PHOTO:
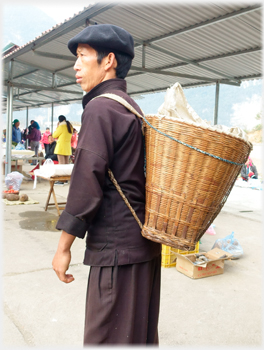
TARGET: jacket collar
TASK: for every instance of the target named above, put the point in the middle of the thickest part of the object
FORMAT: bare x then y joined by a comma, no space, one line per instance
104,87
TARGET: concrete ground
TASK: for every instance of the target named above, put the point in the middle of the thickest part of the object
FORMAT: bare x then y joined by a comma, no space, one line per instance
41,311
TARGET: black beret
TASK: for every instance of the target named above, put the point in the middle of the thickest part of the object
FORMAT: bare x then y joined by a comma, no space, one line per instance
107,36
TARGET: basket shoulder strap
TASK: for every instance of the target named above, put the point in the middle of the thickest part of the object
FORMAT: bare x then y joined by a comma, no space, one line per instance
119,190
123,102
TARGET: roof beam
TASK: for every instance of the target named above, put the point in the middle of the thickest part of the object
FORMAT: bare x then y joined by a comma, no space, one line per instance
204,23
73,81
169,53
41,104
37,91
209,58
158,71
202,83
41,88
55,56
24,74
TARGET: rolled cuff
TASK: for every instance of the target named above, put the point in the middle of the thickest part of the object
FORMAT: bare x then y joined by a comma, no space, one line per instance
72,225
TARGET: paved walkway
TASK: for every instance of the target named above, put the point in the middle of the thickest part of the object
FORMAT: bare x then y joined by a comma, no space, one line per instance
41,311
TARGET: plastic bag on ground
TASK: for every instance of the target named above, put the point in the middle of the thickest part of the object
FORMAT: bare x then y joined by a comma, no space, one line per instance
211,230
14,180
229,244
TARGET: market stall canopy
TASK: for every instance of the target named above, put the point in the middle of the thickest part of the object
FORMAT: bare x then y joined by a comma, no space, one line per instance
194,44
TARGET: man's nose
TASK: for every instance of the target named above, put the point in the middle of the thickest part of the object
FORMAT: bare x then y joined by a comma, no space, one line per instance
77,64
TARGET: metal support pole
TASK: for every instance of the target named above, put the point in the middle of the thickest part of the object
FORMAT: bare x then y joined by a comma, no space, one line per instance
144,56
9,120
217,87
26,127
52,111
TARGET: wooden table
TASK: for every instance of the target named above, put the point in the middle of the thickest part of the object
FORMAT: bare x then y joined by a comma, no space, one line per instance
52,180
38,159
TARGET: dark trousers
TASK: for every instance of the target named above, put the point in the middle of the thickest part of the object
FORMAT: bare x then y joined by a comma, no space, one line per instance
122,304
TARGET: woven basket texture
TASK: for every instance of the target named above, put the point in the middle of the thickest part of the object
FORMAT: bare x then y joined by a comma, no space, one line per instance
185,189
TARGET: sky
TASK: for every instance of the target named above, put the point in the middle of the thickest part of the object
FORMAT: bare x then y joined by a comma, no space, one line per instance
60,13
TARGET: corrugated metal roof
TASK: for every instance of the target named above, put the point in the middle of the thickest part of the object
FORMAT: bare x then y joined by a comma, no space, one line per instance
203,43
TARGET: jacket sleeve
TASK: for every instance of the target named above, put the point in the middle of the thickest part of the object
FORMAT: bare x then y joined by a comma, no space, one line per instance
93,156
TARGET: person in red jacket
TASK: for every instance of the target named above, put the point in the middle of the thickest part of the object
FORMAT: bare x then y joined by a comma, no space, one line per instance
45,139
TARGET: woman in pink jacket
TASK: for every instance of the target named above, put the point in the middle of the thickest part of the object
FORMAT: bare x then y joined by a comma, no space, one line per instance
45,139
74,140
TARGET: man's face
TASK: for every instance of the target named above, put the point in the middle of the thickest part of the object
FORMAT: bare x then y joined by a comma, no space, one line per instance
50,139
88,72
17,124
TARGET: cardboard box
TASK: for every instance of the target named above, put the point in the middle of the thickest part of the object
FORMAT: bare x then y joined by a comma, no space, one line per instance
185,263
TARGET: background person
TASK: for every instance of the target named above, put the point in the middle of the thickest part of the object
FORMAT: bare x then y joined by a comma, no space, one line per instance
16,132
122,302
50,149
44,139
74,140
63,134
4,136
28,130
34,137
249,170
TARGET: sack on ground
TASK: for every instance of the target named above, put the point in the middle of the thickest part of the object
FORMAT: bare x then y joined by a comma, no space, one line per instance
14,180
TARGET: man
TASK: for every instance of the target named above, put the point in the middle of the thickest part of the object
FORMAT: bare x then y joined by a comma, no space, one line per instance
28,131
50,149
122,303
30,127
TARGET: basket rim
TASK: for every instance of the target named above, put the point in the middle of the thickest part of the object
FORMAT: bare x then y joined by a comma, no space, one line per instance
193,124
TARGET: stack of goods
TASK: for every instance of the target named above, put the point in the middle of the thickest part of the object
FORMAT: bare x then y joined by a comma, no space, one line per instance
13,195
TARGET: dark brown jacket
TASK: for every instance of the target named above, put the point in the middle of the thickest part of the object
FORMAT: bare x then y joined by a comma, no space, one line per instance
110,137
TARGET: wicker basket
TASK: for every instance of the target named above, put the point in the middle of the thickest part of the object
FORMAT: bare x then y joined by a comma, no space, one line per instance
186,189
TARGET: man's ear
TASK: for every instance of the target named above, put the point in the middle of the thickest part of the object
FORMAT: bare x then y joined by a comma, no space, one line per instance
110,61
